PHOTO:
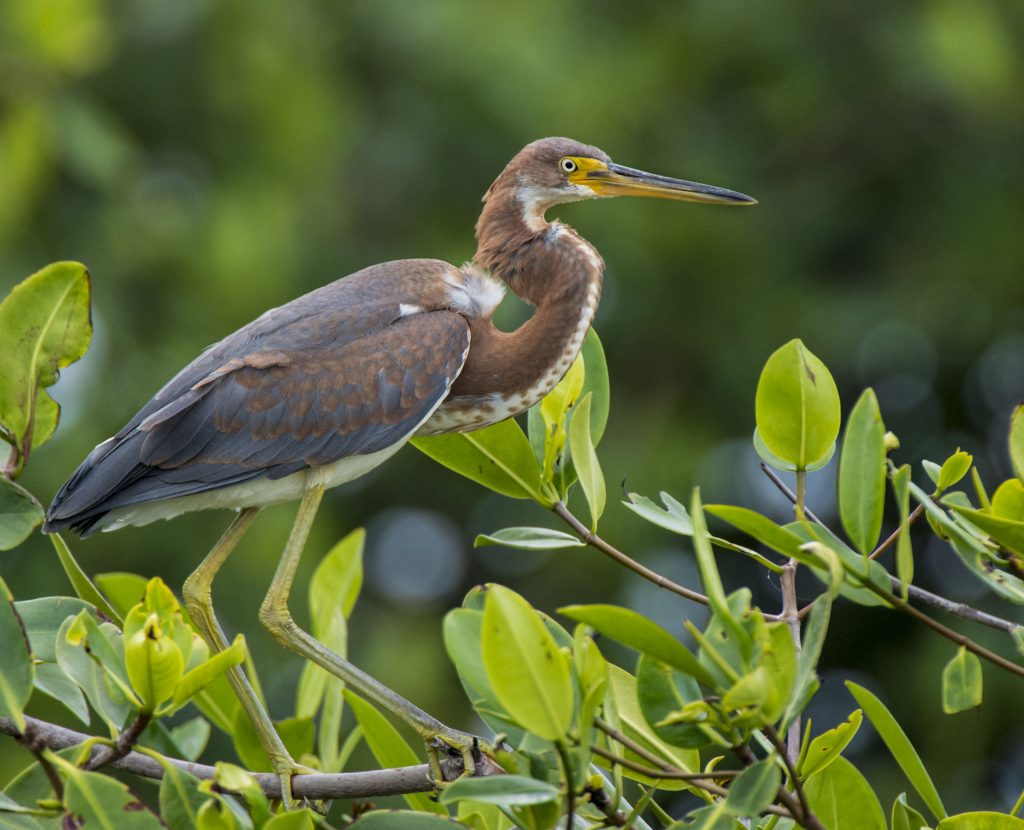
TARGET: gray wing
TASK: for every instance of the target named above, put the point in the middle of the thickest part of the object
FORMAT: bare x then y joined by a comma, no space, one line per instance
336,373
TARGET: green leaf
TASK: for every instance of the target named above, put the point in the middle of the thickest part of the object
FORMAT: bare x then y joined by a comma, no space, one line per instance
303,819
122,589
42,619
16,676
529,538
20,514
981,821
45,326
79,581
905,817
554,410
953,469
672,517
506,790
155,663
99,671
333,591
526,668
1007,532
1017,441
389,747
595,383
904,551
97,800
197,679
852,563
180,798
191,737
622,710
754,789
825,748
843,800
806,682
961,682
797,406
51,680
664,694
499,457
403,820
764,530
232,778
638,632
588,468
900,747
862,474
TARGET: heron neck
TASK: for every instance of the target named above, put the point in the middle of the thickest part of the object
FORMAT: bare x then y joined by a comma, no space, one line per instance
552,267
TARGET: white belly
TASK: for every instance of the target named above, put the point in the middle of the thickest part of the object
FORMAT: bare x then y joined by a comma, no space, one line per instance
259,492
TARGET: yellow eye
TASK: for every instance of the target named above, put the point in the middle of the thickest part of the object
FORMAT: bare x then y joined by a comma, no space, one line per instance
568,165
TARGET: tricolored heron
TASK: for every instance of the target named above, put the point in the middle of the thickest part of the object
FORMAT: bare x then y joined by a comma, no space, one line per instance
321,390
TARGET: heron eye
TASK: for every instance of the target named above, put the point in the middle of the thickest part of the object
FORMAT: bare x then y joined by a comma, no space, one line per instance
568,165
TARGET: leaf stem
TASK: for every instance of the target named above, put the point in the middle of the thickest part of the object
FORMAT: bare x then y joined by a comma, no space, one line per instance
600,544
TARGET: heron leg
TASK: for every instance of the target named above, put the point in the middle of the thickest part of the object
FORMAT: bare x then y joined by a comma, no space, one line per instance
197,593
274,614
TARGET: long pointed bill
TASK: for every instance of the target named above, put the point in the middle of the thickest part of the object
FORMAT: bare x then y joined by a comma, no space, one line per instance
616,180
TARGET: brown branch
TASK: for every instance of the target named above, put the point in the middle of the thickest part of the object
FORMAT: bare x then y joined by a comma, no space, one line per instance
798,786
313,786
602,801
892,537
34,743
600,544
956,609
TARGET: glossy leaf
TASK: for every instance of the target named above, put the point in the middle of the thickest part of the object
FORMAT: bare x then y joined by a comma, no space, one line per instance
961,682
506,790
197,679
1017,441
663,694
754,789
862,474
97,800
904,551
45,326
797,406
388,747
588,468
899,745
905,817
555,411
20,514
709,576
499,457
825,748
16,675
154,662
526,668
852,563
1006,531
953,469
638,632
529,538
843,800
81,583
123,590
595,384
764,530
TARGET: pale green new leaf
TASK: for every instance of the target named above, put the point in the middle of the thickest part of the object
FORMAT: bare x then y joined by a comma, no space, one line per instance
197,679
899,745
905,817
797,406
825,748
981,820
953,469
527,670
961,682
639,632
904,551
862,474
1017,441
44,326
584,456
843,799
499,457
806,682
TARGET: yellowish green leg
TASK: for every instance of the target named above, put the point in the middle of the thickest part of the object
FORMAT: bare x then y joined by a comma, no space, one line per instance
199,602
274,614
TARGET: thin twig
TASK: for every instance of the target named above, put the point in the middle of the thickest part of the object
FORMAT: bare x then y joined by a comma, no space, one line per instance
791,615
600,544
122,744
892,537
957,609
34,743
798,786
313,786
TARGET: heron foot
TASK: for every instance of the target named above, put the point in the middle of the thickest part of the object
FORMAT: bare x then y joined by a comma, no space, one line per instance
453,755
285,768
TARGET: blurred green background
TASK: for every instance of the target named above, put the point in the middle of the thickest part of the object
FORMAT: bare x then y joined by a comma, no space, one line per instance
208,160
